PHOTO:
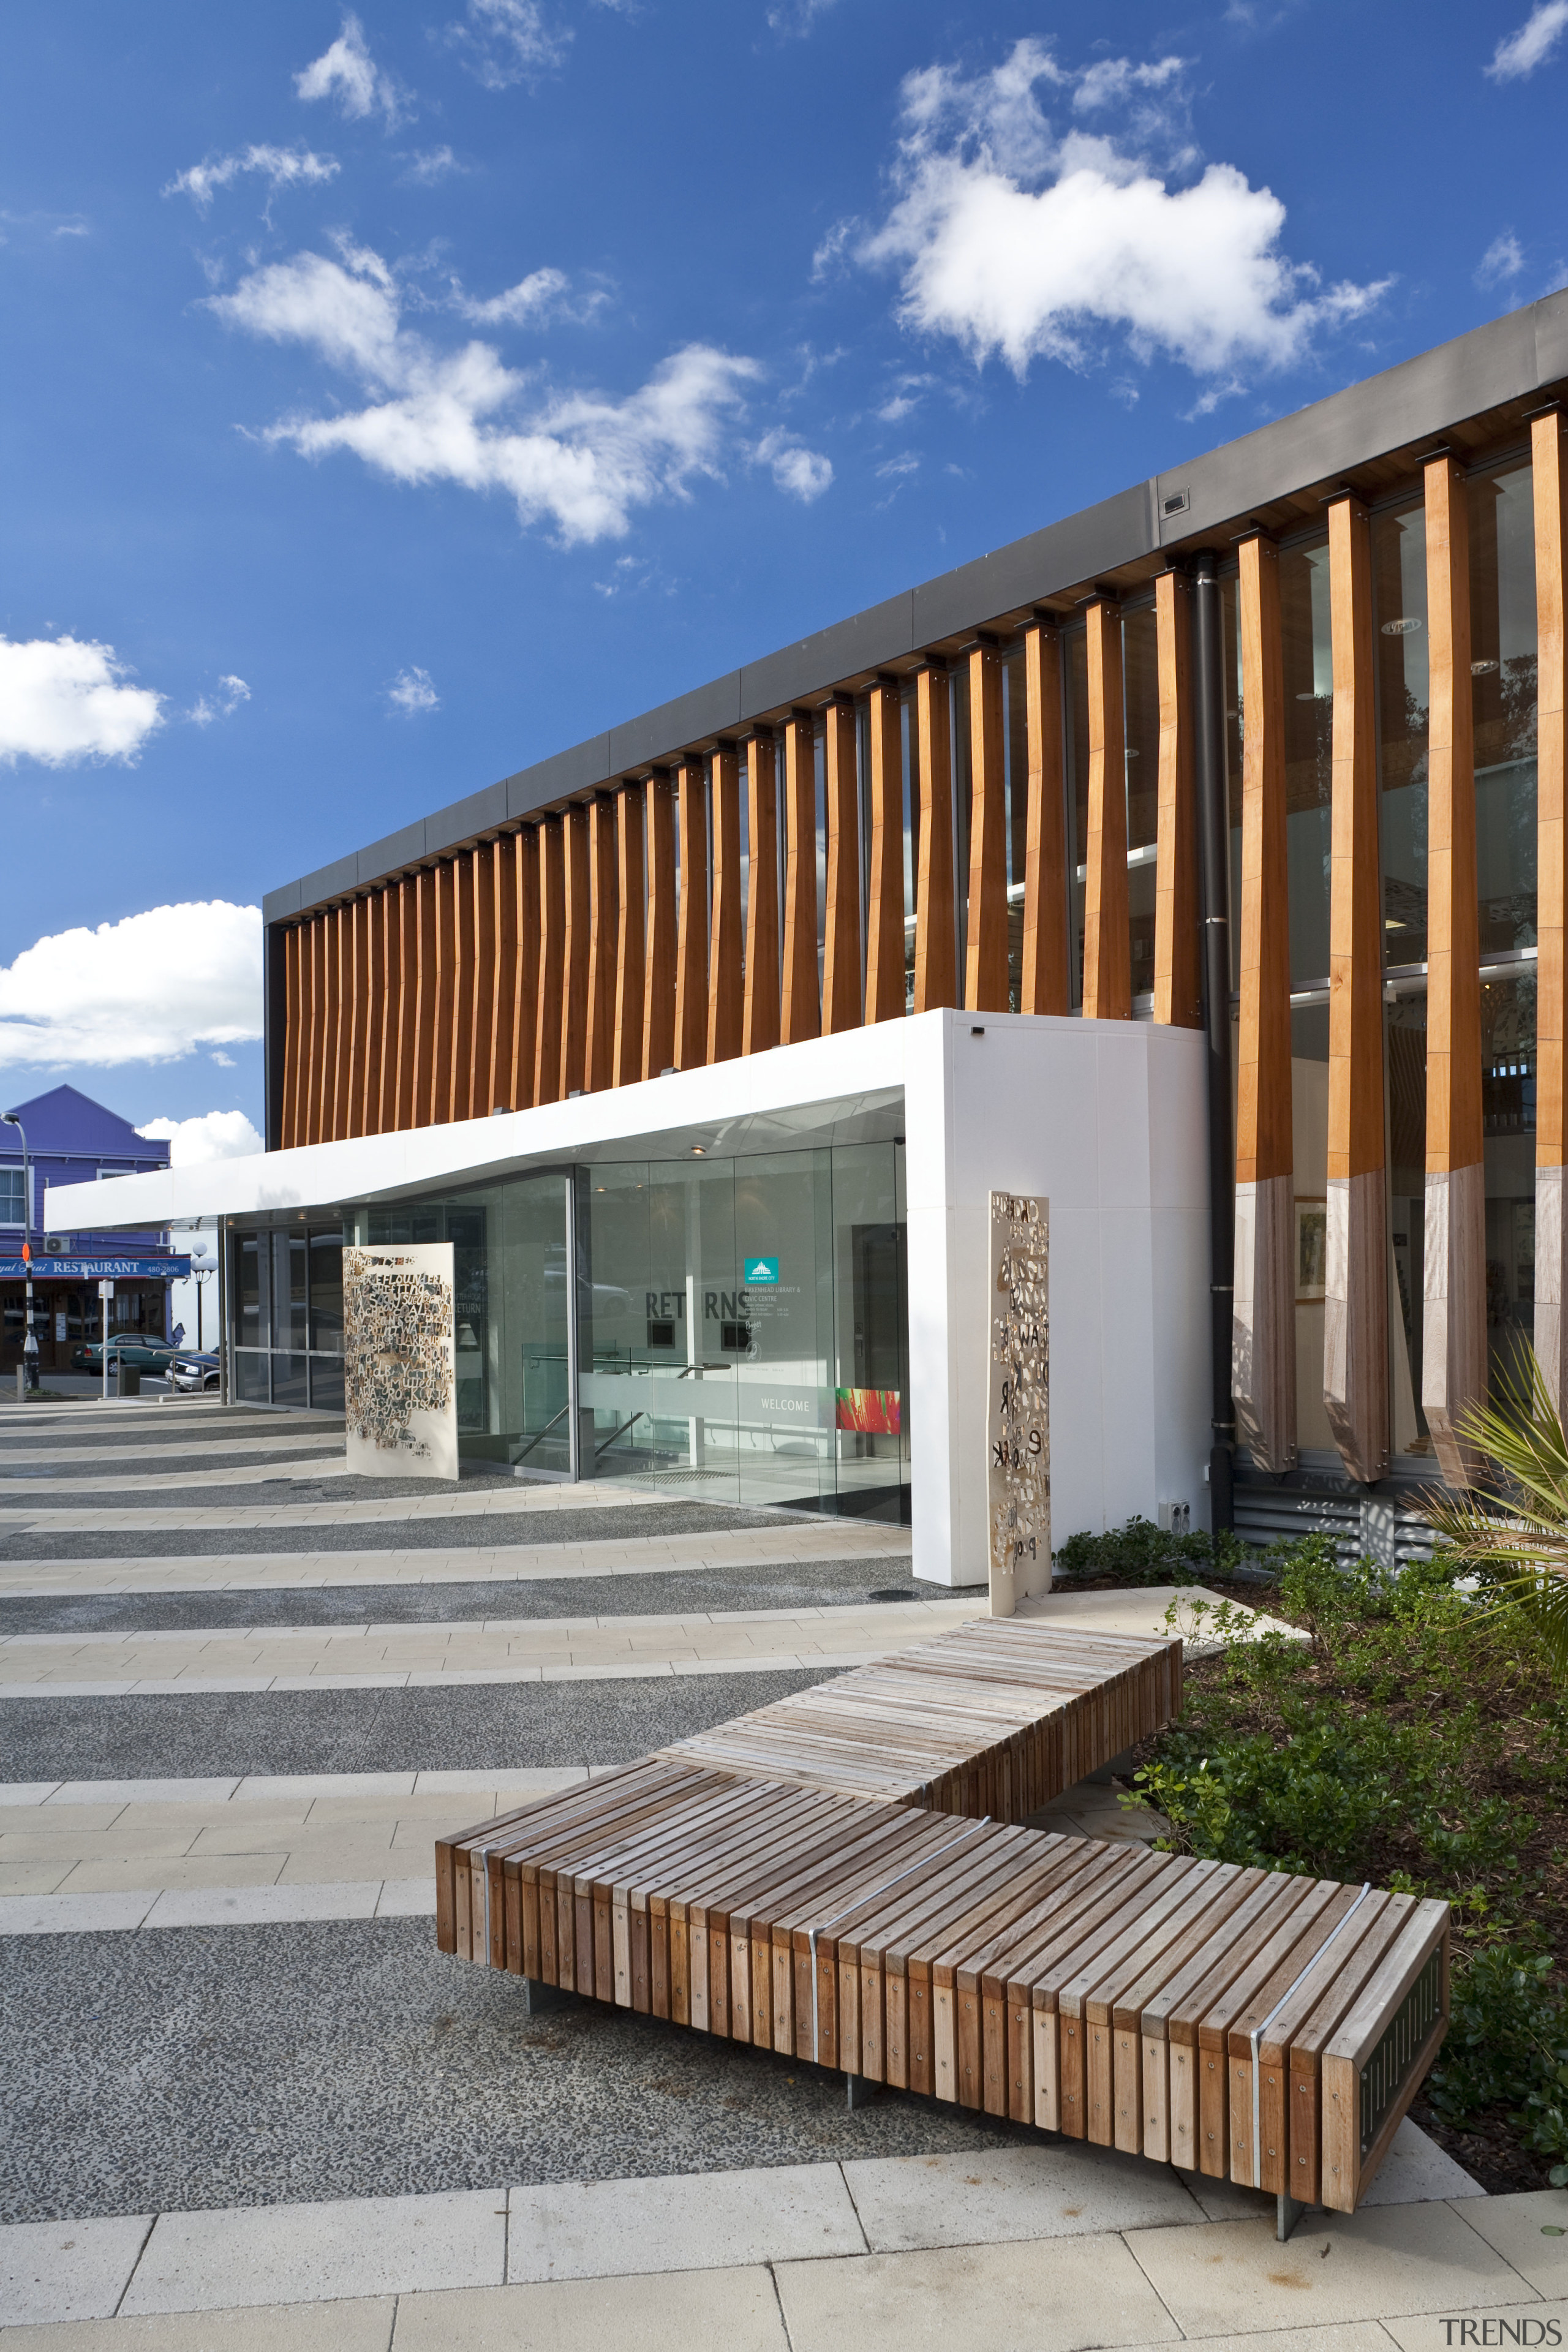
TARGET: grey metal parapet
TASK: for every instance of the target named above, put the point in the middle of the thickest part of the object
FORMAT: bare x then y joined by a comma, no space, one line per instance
1505,361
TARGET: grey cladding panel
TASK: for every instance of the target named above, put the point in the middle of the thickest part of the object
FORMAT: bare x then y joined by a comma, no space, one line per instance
1551,338
710,710
1411,402
1063,555
392,853
450,827
278,905
576,771
331,881
882,634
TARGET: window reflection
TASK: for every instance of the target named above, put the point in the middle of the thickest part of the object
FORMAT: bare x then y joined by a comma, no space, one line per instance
1399,614
1502,672
1309,691
1141,703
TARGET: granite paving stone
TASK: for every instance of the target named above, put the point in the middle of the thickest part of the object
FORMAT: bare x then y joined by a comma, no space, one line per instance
361,2325
463,1727
249,2065
735,2309
1061,2296
72,2270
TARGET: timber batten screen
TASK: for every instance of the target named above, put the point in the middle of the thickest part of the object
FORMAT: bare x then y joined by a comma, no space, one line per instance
973,819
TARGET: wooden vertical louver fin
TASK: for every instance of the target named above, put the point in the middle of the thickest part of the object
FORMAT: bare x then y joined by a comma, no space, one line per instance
1107,940
503,998
321,1033
986,986
936,954
760,1023
1356,1321
801,1009
631,884
407,1055
885,984
1454,1270
293,1038
574,974
420,1079
725,962
391,1006
464,956
603,945
1047,986
547,1024
1178,963
841,944
1550,480
691,931
340,1035
375,1010
445,879
482,984
659,1010
359,915
525,1025
1263,1358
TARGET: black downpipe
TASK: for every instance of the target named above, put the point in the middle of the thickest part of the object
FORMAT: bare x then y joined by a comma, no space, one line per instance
1208,743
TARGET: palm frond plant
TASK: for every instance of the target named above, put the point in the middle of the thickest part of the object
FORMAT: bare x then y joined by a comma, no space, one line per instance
1514,1533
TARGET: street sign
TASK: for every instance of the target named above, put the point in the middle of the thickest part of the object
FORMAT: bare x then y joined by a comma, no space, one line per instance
97,1269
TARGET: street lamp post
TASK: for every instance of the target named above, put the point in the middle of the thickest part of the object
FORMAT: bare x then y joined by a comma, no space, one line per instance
30,1344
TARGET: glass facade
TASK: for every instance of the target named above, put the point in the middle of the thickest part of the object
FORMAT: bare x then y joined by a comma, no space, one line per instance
510,1269
743,1326
286,1317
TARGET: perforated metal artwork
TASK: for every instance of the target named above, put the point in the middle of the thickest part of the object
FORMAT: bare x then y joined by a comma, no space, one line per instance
399,1389
1019,1428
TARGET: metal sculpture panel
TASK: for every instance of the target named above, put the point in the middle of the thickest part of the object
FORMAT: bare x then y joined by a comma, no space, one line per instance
1019,1430
400,1389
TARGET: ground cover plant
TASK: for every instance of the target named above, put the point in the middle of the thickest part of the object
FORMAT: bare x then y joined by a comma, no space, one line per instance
1414,1739
1140,1553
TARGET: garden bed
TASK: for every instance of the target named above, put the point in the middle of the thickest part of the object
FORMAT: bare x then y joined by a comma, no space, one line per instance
1415,1740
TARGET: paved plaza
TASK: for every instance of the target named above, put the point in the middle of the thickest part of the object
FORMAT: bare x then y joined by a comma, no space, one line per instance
247,2103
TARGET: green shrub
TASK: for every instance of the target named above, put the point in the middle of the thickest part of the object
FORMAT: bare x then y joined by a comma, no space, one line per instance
1414,1738
1142,1553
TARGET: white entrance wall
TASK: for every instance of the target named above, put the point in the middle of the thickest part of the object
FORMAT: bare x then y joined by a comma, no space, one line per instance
1105,1118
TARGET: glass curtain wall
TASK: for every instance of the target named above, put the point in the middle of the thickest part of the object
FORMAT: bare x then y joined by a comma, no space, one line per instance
288,1317
1503,686
1140,705
510,1289
744,1327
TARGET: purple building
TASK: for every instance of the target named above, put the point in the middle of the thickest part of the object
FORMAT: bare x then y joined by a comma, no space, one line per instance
73,1141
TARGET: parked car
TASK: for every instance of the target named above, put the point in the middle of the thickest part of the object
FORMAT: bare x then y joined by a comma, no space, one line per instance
193,1372
128,1348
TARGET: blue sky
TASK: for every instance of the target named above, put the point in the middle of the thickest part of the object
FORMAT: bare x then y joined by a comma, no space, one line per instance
394,398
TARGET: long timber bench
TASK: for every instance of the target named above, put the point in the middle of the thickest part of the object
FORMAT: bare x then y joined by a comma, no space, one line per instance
1236,2022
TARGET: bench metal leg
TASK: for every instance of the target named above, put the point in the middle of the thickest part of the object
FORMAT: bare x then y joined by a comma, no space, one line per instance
861,2090
1288,2213
537,1997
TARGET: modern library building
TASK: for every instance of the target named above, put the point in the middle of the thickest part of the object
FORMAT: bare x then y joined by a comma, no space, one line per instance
1196,862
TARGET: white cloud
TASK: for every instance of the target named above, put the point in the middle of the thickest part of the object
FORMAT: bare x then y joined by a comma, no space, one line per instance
830,253
1518,57
281,167
216,1135
907,462
795,18
411,690
582,461
1020,244
224,1061
149,989
1503,259
428,164
800,473
508,41
349,73
63,699
231,693
530,299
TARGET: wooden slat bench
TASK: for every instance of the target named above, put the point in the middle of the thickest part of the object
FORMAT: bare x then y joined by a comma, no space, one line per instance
1240,2023
994,1718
